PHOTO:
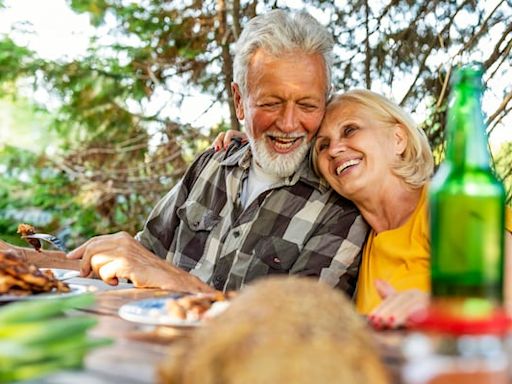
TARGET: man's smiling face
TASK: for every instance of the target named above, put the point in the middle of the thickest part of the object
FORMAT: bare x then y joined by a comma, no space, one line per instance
283,107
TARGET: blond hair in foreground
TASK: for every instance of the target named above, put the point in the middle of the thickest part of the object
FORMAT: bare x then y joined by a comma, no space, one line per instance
279,330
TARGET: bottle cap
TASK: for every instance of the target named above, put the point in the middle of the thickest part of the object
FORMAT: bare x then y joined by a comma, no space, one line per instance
451,321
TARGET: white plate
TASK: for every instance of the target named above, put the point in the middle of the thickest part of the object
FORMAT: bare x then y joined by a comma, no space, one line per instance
75,290
63,274
154,312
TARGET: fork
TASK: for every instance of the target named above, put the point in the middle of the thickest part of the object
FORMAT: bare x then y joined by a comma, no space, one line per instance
55,241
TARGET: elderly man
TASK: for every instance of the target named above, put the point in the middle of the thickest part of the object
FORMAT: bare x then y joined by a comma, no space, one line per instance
255,209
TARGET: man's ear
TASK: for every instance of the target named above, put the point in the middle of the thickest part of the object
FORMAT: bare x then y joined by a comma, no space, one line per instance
401,139
237,100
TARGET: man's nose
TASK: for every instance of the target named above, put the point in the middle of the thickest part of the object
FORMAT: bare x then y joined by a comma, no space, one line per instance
288,118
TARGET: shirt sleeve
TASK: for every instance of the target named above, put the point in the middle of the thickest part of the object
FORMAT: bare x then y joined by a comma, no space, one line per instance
333,253
159,229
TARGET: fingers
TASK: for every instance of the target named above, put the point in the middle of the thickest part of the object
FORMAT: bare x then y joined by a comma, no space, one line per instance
92,248
107,269
384,288
228,137
95,245
218,143
395,310
78,253
224,139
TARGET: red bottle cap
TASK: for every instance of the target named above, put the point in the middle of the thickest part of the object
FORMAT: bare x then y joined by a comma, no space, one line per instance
449,319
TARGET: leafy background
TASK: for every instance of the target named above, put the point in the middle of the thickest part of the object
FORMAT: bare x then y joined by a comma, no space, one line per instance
110,141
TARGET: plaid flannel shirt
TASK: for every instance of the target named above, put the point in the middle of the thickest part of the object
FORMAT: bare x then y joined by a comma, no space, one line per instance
300,226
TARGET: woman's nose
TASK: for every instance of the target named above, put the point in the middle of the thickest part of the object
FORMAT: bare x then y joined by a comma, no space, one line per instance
336,147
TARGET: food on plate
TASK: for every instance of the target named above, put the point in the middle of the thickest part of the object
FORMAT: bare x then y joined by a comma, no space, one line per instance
197,307
26,230
279,330
19,277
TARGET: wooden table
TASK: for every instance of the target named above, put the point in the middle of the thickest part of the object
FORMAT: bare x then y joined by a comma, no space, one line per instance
136,351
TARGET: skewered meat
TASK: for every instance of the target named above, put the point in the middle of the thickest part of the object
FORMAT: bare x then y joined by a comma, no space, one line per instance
27,229
18,277
279,330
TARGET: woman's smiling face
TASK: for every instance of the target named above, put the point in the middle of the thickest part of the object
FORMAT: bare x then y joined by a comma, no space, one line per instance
356,148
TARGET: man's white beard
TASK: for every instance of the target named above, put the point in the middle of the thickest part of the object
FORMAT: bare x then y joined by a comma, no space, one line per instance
281,165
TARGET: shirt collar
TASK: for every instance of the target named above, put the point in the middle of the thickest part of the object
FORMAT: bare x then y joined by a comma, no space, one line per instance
305,173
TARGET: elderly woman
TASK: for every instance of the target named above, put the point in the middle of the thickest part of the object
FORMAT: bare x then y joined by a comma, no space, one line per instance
370,151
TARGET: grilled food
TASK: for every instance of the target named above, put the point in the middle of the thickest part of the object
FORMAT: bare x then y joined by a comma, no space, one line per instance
279,330
26,230
196,307
18,277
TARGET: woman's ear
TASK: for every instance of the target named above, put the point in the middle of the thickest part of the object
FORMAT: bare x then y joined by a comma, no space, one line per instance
401,139
237,100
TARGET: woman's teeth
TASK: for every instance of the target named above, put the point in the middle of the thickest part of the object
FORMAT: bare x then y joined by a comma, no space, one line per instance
347,164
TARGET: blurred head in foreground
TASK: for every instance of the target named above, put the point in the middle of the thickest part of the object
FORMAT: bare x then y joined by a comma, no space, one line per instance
279,330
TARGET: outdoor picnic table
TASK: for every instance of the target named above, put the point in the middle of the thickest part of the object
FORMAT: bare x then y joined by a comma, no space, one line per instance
138,349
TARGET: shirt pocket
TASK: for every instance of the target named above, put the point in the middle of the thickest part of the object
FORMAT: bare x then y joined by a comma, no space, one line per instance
191,238
197,217
278,254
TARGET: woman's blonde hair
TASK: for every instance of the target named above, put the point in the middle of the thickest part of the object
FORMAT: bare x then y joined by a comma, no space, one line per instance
416,163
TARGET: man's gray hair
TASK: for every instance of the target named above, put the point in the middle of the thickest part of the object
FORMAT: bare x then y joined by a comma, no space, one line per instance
279,32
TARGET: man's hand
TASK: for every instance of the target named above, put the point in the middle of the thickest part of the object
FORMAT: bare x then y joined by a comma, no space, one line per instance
396,307
116,256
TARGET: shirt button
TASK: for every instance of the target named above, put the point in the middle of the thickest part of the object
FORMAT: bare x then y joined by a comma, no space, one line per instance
236,234
277,260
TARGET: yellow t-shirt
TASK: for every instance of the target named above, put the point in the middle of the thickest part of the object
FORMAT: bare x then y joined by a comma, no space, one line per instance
400,256
508,218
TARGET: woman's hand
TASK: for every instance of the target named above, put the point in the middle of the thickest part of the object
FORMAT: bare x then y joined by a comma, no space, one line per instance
396,307
112,257
223,139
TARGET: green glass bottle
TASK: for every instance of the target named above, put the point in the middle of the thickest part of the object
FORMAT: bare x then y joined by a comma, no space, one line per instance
467,203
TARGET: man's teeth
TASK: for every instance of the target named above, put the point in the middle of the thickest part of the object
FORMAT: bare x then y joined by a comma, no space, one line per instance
345,165
284,142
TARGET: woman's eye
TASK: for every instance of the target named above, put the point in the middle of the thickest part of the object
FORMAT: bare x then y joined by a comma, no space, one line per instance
322,147
349,130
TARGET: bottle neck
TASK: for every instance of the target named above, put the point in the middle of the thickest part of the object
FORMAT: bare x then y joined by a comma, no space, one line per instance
467,140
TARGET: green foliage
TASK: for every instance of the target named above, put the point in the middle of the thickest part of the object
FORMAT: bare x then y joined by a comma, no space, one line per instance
117,125
13,62
33,190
